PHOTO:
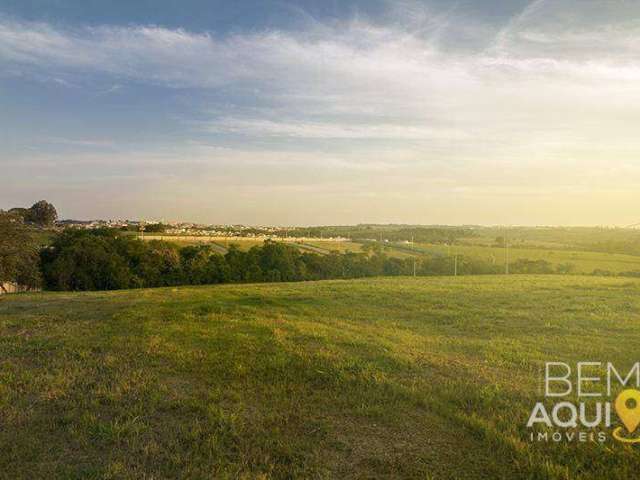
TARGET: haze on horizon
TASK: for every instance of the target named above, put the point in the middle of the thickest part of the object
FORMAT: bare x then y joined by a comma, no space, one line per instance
320,112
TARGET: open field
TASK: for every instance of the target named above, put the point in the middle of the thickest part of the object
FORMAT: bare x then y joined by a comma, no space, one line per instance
341,247
522,243
245,243
222,242
573,238
355,247
378,378
584,262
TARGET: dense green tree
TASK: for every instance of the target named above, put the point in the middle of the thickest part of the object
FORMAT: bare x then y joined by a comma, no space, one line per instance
80,261
19,261
42,213
278,257
194,261
18,213
100,259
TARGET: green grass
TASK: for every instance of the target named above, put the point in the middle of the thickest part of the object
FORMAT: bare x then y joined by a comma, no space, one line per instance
378,378
341,247
584,262
245,244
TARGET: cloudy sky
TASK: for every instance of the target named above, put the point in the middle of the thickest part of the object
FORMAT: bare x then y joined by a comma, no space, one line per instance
323,112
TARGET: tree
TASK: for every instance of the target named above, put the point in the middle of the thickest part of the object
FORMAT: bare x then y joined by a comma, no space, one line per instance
80,260
42,213
19,213
195,265
161,264
278,257
18,253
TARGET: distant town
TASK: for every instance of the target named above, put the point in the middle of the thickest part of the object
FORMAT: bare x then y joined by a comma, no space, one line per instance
166,227
197,229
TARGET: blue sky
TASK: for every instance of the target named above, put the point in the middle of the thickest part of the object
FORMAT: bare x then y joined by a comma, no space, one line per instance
322,112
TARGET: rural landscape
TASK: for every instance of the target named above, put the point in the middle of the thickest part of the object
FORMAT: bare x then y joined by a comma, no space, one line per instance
395,352
319,240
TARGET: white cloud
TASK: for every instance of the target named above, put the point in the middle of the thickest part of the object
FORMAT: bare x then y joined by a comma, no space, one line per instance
550,100
355,80
331,130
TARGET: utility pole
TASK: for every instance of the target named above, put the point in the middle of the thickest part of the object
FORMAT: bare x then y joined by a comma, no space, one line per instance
506,251
455,266
414,256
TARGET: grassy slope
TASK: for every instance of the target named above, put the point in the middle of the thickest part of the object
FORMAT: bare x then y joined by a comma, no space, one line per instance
341,247
245,244
584,262
395,378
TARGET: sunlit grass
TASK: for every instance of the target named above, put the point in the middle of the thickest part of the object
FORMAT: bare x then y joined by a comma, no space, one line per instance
395,378
584,262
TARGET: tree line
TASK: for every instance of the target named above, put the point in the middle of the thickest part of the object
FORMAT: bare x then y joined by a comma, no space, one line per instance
104,260
34,256
20,242
19,254
40,214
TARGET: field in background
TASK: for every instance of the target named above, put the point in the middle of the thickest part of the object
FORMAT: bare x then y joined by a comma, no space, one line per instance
377,378
575,238
341,247
487,241
243,243
551,245
583,261
224,242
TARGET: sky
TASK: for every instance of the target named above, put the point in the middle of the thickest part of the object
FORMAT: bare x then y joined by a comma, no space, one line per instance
317,112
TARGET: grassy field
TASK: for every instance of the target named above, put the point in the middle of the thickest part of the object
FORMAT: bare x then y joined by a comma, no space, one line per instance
358,247
575,238
244,244
378,378
341,247
584,262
